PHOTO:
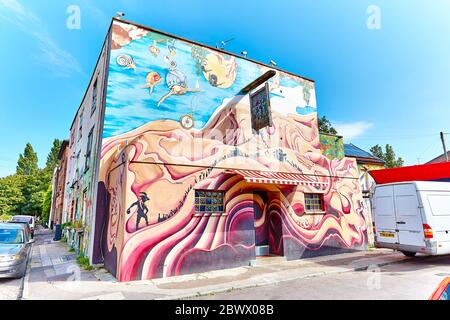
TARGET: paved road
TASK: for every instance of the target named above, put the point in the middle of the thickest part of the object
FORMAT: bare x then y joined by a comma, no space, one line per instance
10,289
414,279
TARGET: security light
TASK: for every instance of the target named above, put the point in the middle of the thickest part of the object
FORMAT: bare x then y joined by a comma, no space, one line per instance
120,14
244,53
273,63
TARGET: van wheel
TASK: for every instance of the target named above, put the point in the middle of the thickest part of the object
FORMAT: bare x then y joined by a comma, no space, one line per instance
409,254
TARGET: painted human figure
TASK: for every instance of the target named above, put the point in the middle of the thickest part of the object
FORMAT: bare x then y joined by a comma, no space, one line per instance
142,209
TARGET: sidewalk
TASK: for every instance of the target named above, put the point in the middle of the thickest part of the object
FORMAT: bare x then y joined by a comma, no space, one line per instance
54,274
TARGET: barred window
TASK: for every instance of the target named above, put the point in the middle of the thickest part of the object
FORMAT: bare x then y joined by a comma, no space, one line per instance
314,202
209,201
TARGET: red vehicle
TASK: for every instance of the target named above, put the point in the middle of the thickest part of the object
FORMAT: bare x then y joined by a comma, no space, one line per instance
442,292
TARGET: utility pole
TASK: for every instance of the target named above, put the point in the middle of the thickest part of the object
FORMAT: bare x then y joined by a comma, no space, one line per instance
443,145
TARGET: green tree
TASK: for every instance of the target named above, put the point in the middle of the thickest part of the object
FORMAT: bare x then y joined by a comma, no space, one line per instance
377,151
47,204
391,160
33,192
52,158
28,161
29,190
326,127
11,197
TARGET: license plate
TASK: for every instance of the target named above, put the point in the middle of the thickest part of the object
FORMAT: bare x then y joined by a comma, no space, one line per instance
387,234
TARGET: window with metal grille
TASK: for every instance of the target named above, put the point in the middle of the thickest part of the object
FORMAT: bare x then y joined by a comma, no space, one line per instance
314,202
209,201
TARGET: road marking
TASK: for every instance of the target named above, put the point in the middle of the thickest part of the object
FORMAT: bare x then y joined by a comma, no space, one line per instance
23,293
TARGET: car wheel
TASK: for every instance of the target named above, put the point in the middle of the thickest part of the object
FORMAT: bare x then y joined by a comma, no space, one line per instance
409,254
20,276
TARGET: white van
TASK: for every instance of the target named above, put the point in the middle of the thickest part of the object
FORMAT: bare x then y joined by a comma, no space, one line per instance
412,217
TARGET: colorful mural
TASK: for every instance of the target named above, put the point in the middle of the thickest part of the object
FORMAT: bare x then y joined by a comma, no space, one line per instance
332,146
151,164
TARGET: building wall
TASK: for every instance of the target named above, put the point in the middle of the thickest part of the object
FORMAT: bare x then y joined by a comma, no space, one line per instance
367,186
58,186
366,180
80,182
153,81
332,146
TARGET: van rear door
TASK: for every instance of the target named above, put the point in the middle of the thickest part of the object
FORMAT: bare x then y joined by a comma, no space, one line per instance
384,214
409,219
439,218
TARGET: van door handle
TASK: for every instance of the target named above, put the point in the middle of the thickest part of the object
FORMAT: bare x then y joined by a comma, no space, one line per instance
401,222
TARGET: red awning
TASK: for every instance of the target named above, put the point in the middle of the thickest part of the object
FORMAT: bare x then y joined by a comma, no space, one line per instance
255,176
424,172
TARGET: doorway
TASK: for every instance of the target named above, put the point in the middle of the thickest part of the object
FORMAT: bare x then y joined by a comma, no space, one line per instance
267,224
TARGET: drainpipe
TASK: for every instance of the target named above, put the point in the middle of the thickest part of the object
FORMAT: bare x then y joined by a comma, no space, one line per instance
443,145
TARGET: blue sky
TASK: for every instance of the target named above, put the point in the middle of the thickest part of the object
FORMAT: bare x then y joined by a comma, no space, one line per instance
376,86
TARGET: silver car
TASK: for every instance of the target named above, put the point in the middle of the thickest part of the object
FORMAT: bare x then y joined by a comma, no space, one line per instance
15,247
25,219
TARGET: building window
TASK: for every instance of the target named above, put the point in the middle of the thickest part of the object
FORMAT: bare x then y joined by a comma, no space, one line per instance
80,126
209,201
314,202
72,137
94,97
88,150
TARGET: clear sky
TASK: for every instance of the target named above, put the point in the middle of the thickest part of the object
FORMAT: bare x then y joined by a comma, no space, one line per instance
387,85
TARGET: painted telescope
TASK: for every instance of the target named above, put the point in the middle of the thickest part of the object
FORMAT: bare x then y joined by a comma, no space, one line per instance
190,176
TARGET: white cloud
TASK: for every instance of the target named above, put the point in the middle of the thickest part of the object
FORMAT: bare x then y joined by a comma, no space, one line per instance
60,62
352,130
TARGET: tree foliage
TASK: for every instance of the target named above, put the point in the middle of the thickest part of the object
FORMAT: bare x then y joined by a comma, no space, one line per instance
388,155
46,204
27,191
52,158
326,127
28,161
11,197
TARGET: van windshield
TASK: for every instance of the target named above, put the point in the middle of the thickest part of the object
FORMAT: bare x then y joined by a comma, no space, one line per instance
12,236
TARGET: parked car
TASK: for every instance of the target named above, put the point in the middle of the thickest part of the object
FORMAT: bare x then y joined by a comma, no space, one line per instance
442,292
25,219
26,227
15,245
413,217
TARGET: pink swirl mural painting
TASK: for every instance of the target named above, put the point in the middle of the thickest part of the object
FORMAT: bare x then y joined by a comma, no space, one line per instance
174,204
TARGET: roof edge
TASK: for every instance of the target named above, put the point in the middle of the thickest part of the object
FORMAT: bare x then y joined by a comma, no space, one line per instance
210,47
372,156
